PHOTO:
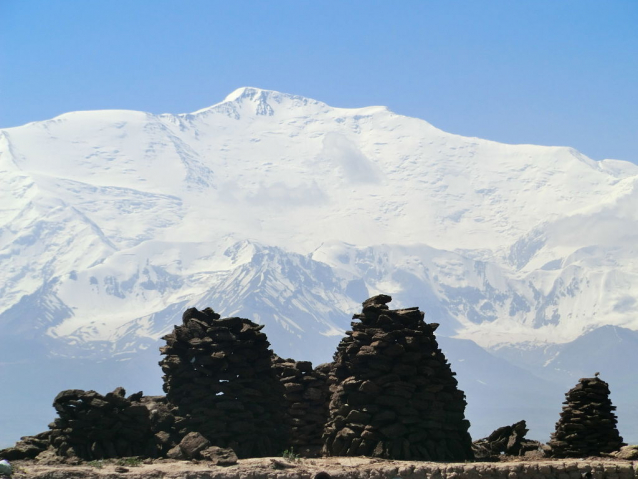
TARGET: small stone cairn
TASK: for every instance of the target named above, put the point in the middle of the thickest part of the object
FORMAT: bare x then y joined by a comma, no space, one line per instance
306,393
393,394
218,377
92,426
587,425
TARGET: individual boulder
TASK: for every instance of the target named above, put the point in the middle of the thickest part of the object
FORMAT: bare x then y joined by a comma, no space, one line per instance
192,444
219,456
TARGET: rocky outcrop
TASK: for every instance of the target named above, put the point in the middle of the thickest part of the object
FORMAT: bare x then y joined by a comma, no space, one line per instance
587,424
219,380
393,394
508,440
306,394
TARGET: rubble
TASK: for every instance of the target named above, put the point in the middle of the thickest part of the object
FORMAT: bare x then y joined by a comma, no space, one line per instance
506,440
27,447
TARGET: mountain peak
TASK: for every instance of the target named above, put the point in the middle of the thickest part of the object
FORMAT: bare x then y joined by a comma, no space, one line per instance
247,92
255,99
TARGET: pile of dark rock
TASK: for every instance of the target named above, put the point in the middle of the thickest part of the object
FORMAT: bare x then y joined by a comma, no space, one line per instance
28,447
506,440
219,381
587,424
393,394
92,426
389,393
306,393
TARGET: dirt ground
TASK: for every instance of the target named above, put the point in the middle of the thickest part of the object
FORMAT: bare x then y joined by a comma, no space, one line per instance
334,467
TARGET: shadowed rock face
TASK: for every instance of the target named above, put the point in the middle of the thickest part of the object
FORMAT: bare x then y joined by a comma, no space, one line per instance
218,377
393,393
587,425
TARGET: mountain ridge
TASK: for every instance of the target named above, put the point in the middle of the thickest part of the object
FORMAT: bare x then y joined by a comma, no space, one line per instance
291,212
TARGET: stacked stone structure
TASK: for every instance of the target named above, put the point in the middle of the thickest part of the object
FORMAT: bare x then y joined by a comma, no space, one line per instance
306,393
218,377
393,394
587,424
92,426
28,447
389,393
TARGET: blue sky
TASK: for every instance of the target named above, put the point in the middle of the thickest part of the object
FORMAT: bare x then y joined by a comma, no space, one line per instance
525,71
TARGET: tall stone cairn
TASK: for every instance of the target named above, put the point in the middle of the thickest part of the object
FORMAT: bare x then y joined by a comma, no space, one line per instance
393,394
306,394
218,377
587,424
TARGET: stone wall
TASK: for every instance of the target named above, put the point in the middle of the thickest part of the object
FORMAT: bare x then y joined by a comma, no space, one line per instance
393,394
306,393
92,426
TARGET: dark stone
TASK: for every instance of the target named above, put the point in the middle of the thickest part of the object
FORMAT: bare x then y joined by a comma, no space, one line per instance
219,456
192,444
379,299
388,379
507,440
175,453
22,450
220,382
587,425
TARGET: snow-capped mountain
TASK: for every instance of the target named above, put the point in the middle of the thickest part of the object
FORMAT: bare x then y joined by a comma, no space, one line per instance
291,212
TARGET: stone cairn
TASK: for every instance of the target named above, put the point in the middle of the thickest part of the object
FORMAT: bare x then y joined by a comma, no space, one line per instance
218,377
393,392
587,424
306,393
92,426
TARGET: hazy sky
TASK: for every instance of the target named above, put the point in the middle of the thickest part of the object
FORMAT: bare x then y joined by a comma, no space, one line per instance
539,71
